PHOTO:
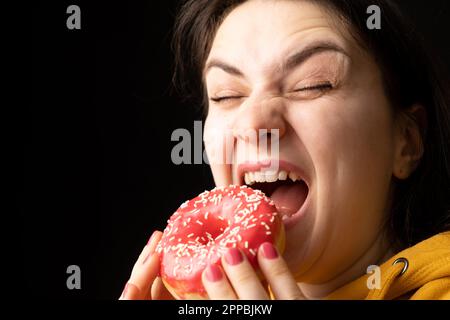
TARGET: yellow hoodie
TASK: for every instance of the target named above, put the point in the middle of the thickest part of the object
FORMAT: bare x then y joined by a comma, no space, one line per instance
420,272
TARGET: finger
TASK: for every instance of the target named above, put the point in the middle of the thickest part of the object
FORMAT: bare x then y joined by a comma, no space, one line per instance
216,284
242,276
159,291
146,268
277,273
143,276
150,247
130,292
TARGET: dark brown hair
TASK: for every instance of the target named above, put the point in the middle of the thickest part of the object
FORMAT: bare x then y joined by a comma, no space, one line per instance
421,206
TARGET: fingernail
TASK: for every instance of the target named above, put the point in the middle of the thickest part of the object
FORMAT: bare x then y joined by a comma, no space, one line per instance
213,273
269,251
233,256
151,238
124,292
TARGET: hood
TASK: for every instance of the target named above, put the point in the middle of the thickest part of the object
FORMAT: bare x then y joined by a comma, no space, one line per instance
419,272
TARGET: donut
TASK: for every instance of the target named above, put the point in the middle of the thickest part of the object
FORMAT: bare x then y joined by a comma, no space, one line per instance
202,230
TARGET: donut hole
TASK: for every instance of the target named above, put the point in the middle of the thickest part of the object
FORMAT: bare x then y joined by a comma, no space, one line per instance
218,219
214,228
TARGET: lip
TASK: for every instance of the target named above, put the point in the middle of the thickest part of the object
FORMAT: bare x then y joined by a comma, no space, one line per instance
295,218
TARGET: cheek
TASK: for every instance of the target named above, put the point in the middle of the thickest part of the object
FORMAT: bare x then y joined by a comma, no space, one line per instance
347,140
355,158
350,144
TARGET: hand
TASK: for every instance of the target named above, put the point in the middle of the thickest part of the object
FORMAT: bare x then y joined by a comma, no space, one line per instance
238,280
144,283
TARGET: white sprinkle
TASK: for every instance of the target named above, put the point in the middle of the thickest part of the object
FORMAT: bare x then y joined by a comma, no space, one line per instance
265,225
252,251
268,232
190,235
188,268
199,222
175,270
235,230
246,244
251,226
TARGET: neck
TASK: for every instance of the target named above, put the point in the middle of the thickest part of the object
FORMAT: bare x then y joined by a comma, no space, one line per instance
378,253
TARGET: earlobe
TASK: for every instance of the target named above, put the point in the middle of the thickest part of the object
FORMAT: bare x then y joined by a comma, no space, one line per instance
409,144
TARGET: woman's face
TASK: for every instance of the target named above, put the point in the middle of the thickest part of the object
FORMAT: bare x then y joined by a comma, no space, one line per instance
286,65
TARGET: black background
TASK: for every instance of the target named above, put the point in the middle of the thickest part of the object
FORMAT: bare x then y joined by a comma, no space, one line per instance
97,177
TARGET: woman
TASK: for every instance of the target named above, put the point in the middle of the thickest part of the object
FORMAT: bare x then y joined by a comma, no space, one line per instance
362,119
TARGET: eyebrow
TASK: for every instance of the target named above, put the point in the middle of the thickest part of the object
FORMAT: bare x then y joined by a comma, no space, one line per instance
228,68
290,63
300,57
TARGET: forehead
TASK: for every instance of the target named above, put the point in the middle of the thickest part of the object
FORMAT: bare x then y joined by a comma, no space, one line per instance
259,32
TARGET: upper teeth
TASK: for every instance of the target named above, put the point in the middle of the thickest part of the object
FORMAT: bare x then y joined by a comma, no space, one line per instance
268,176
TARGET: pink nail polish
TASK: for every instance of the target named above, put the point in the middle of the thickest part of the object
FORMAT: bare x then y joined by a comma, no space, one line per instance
233,256
213,273
269,251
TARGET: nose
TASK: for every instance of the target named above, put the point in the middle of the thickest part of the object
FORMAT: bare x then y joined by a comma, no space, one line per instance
259,117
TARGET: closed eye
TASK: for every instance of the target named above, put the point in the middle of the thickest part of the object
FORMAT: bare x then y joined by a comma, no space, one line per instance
225,98
320,87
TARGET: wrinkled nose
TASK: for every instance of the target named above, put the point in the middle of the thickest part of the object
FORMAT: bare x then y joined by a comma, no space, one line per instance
259,118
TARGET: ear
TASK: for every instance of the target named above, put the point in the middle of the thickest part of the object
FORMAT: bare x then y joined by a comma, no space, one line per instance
410,130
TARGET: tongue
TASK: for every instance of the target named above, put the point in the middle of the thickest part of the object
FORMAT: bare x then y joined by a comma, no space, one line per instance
289,198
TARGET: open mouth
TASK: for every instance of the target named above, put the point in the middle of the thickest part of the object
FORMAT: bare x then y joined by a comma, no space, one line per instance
287,189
